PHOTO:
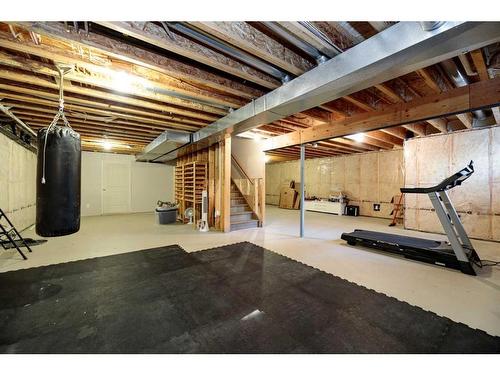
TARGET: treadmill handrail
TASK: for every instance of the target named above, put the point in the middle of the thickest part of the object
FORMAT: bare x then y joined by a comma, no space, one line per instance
446,184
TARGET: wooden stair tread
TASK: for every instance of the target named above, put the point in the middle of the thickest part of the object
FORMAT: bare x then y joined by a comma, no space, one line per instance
244,221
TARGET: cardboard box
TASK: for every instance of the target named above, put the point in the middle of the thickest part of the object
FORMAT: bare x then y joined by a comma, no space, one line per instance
288,197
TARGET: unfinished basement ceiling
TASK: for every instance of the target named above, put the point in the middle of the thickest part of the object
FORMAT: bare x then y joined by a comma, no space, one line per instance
133,80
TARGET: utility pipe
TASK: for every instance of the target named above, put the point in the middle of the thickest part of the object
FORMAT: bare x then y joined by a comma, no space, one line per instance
21,124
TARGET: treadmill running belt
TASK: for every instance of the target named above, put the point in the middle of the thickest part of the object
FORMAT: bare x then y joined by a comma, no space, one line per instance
395,239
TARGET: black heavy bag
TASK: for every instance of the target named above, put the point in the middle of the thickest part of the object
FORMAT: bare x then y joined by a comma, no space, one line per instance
58,182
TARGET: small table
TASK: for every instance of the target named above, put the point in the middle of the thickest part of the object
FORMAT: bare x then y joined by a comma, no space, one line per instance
328,207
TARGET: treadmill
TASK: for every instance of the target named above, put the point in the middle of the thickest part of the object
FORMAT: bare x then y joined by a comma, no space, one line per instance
457,253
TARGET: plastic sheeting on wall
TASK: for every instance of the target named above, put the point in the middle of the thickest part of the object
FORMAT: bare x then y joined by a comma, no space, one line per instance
17,182
430,160
369,178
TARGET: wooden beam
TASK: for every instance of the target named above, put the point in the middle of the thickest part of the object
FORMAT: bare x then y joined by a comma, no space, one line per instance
50,113
418,129
466,119
155,35
398,132
135,87
463,99
244,36
107,67
478,59
98,99
429,80
358,103
367,144
391,94
439,124
385,137
89,113
92,44
226,189
92,107
496,114
395,98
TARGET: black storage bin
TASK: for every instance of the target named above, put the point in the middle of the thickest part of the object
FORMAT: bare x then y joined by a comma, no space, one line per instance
166,215
352,210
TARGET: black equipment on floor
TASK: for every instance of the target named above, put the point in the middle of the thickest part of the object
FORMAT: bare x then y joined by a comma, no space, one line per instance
10,237
351,210
58,176
457,252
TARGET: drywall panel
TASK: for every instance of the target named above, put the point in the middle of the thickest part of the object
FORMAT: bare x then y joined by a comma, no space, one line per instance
91,191
429,160
17,182
366,179
148,182
249,154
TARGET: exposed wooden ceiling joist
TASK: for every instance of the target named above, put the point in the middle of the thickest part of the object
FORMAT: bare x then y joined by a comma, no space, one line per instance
459,100
155,35
93,44
242,35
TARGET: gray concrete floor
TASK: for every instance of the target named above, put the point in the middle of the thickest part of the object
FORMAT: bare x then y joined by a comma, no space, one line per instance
474,301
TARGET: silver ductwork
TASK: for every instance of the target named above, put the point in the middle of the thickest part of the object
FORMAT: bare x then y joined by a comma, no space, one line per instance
431,25
396,51
167,143
460,79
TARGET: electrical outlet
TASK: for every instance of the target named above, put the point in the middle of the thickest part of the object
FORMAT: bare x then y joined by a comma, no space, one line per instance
376,207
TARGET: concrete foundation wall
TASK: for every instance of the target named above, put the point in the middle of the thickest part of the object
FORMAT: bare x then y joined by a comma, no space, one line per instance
17,182
431,159
373,177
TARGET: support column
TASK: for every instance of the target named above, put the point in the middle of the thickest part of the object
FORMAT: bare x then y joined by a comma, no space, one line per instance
302,189
226,188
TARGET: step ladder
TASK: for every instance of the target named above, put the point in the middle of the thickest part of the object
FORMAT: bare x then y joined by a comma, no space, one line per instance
10,237
397,210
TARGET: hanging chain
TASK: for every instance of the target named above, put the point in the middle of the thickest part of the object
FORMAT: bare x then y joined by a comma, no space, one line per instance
59,115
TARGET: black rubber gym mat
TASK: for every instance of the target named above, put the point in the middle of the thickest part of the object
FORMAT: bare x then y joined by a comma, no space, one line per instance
239,298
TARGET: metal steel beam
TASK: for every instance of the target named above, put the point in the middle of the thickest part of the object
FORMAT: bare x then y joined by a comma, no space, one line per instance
398,50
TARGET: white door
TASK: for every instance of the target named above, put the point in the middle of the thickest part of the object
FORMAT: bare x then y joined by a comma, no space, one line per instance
115,187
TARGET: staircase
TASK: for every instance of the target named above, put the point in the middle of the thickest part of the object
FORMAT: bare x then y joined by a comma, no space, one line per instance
242,216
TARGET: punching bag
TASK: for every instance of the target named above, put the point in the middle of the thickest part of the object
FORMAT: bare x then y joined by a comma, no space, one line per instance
58,182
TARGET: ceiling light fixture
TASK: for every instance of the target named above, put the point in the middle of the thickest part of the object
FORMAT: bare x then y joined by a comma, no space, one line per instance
359,137
125,82
122,81
107,145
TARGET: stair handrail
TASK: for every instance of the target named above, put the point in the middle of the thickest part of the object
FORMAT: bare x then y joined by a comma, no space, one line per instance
242,170
256,183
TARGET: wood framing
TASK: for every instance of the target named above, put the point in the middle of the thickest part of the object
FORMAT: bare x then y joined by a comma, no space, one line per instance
459,100
226,185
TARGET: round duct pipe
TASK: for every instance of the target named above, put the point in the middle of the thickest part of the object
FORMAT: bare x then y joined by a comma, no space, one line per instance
460,79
